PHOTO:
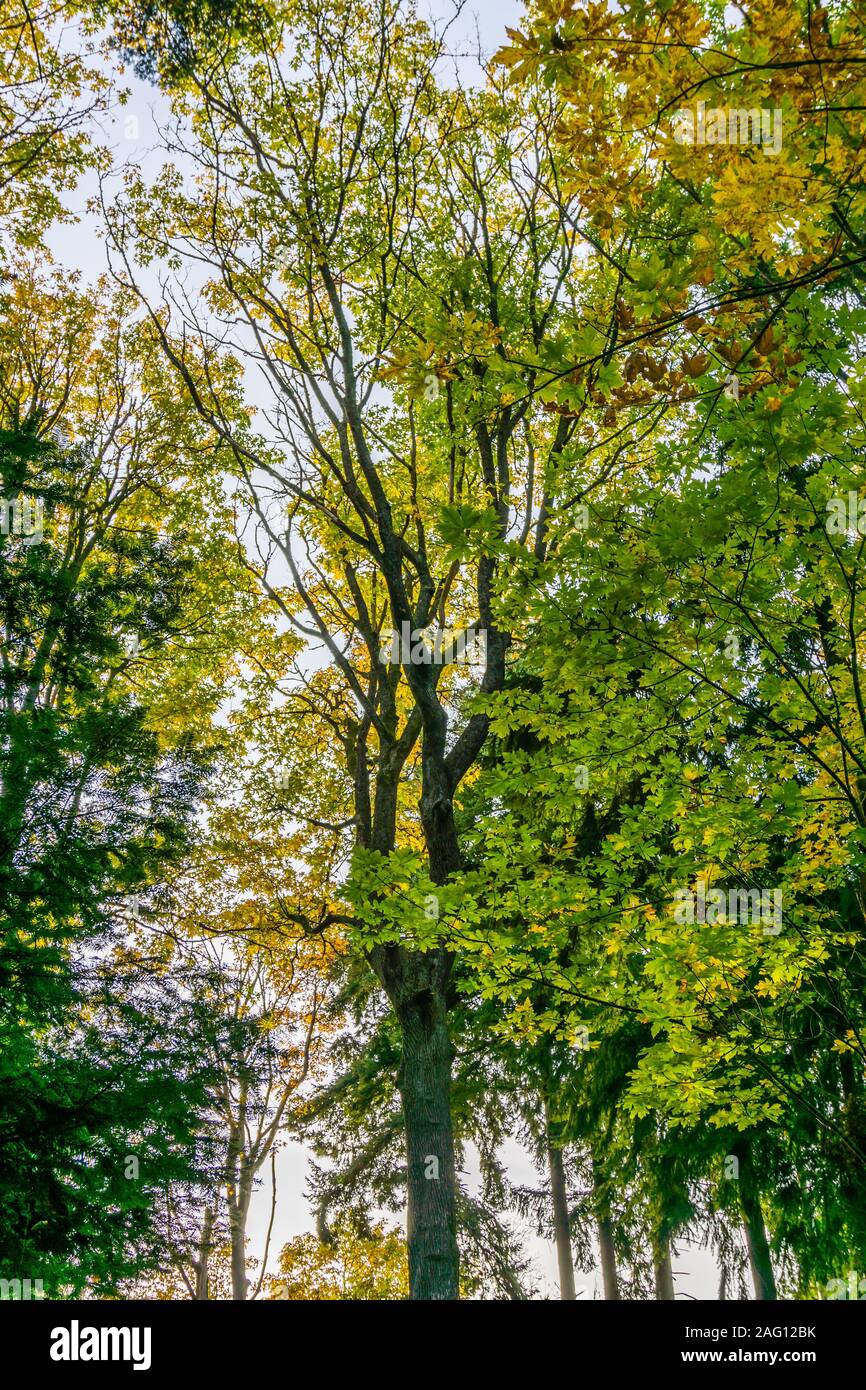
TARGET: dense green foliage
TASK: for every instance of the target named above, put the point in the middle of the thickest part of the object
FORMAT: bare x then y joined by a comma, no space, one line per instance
564,361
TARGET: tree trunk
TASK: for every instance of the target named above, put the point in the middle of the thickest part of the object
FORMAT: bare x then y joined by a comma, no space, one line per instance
425,1086
239,1258
755,1232
759,1250
238,1180
238,1211
608,1258
664,1278
561,1223
606,1247
753,1221
201,1269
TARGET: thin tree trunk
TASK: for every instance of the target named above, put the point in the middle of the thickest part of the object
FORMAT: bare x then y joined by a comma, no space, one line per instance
425,1086
664,1278
201,1269
757,1244
608,1258
238,1212
609,1275
561,1223
237,1225
238,1183
759,1248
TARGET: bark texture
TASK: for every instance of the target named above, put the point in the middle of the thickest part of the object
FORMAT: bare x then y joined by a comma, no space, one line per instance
425,1087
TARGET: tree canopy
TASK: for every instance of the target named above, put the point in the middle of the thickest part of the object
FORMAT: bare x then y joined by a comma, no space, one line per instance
432,715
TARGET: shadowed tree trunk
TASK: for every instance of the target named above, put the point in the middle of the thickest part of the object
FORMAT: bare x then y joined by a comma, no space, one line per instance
757,1244
417,988
664,1279
604,1224
759,1249
201,1269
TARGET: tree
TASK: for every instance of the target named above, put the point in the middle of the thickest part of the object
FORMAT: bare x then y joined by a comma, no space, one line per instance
49,98
99,587
472,475
99,1088
360,289
248,1022
361,1261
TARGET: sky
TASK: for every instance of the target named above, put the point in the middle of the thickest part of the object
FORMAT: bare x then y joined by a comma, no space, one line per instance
132,133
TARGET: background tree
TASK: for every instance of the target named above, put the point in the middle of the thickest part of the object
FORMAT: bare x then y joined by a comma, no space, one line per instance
361,1261
100,610
51,95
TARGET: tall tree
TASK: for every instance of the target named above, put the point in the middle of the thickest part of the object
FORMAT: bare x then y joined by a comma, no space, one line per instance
397,253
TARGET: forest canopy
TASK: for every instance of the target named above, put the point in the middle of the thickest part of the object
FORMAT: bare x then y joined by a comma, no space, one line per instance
432,731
